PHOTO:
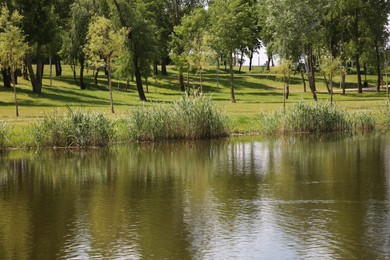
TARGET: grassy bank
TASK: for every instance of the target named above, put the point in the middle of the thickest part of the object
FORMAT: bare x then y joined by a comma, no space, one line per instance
256,92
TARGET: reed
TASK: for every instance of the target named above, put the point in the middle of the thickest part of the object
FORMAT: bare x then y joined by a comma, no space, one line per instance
5,133
363,121
188,118
72,129
321,117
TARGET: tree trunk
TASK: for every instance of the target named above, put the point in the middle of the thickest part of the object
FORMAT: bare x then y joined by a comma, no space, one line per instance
232,81
6,77
25,73
327,84
146,85
34,81
269,56
16,100
378,67
51,71
127,85
201,83
250,60
82,84
310,70
181,81
241,61
303,80
155,68
138,80
359,74
287,90
357,52
95,77
108,69
58,67
36,78
164,67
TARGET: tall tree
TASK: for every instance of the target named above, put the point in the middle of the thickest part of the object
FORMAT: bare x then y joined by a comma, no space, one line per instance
80,16
134,15
376,21
298,28
192,38
39,24
230,30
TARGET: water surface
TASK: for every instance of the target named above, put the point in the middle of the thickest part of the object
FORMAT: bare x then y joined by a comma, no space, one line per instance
242,198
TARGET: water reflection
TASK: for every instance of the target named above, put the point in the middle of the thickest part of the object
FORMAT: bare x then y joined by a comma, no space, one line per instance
297,197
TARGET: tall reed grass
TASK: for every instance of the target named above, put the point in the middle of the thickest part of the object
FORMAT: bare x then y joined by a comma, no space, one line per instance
188,118
72,129
5,133
315,118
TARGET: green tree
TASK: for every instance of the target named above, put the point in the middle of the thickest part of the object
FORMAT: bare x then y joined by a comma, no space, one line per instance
298,31
13,47
104,44
140,43
230,30
192,38
75,37
39,25
167,14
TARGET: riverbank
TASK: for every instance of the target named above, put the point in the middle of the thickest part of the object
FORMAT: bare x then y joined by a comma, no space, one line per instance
257,92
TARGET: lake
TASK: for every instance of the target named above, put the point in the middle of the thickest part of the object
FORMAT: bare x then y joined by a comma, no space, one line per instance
296,197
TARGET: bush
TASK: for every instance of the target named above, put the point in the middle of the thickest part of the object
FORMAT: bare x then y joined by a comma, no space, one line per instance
73,129
189,118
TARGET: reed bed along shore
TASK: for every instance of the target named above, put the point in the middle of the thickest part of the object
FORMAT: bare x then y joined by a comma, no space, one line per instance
319,117
189,118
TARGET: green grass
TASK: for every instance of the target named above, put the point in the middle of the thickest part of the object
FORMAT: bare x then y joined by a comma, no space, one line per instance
256,92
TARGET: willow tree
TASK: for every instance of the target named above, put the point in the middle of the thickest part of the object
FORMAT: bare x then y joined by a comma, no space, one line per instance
13,47
104,44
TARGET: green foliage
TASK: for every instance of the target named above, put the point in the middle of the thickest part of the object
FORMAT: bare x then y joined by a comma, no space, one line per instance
5,133
103,41
72,129
189,118
13,47
191,42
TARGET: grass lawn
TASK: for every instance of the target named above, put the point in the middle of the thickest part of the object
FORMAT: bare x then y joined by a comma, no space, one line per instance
256,91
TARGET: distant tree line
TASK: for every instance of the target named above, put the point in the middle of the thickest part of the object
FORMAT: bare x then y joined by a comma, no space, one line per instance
133,38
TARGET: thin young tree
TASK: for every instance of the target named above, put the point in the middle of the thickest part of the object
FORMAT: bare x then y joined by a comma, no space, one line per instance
104,44
13,47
